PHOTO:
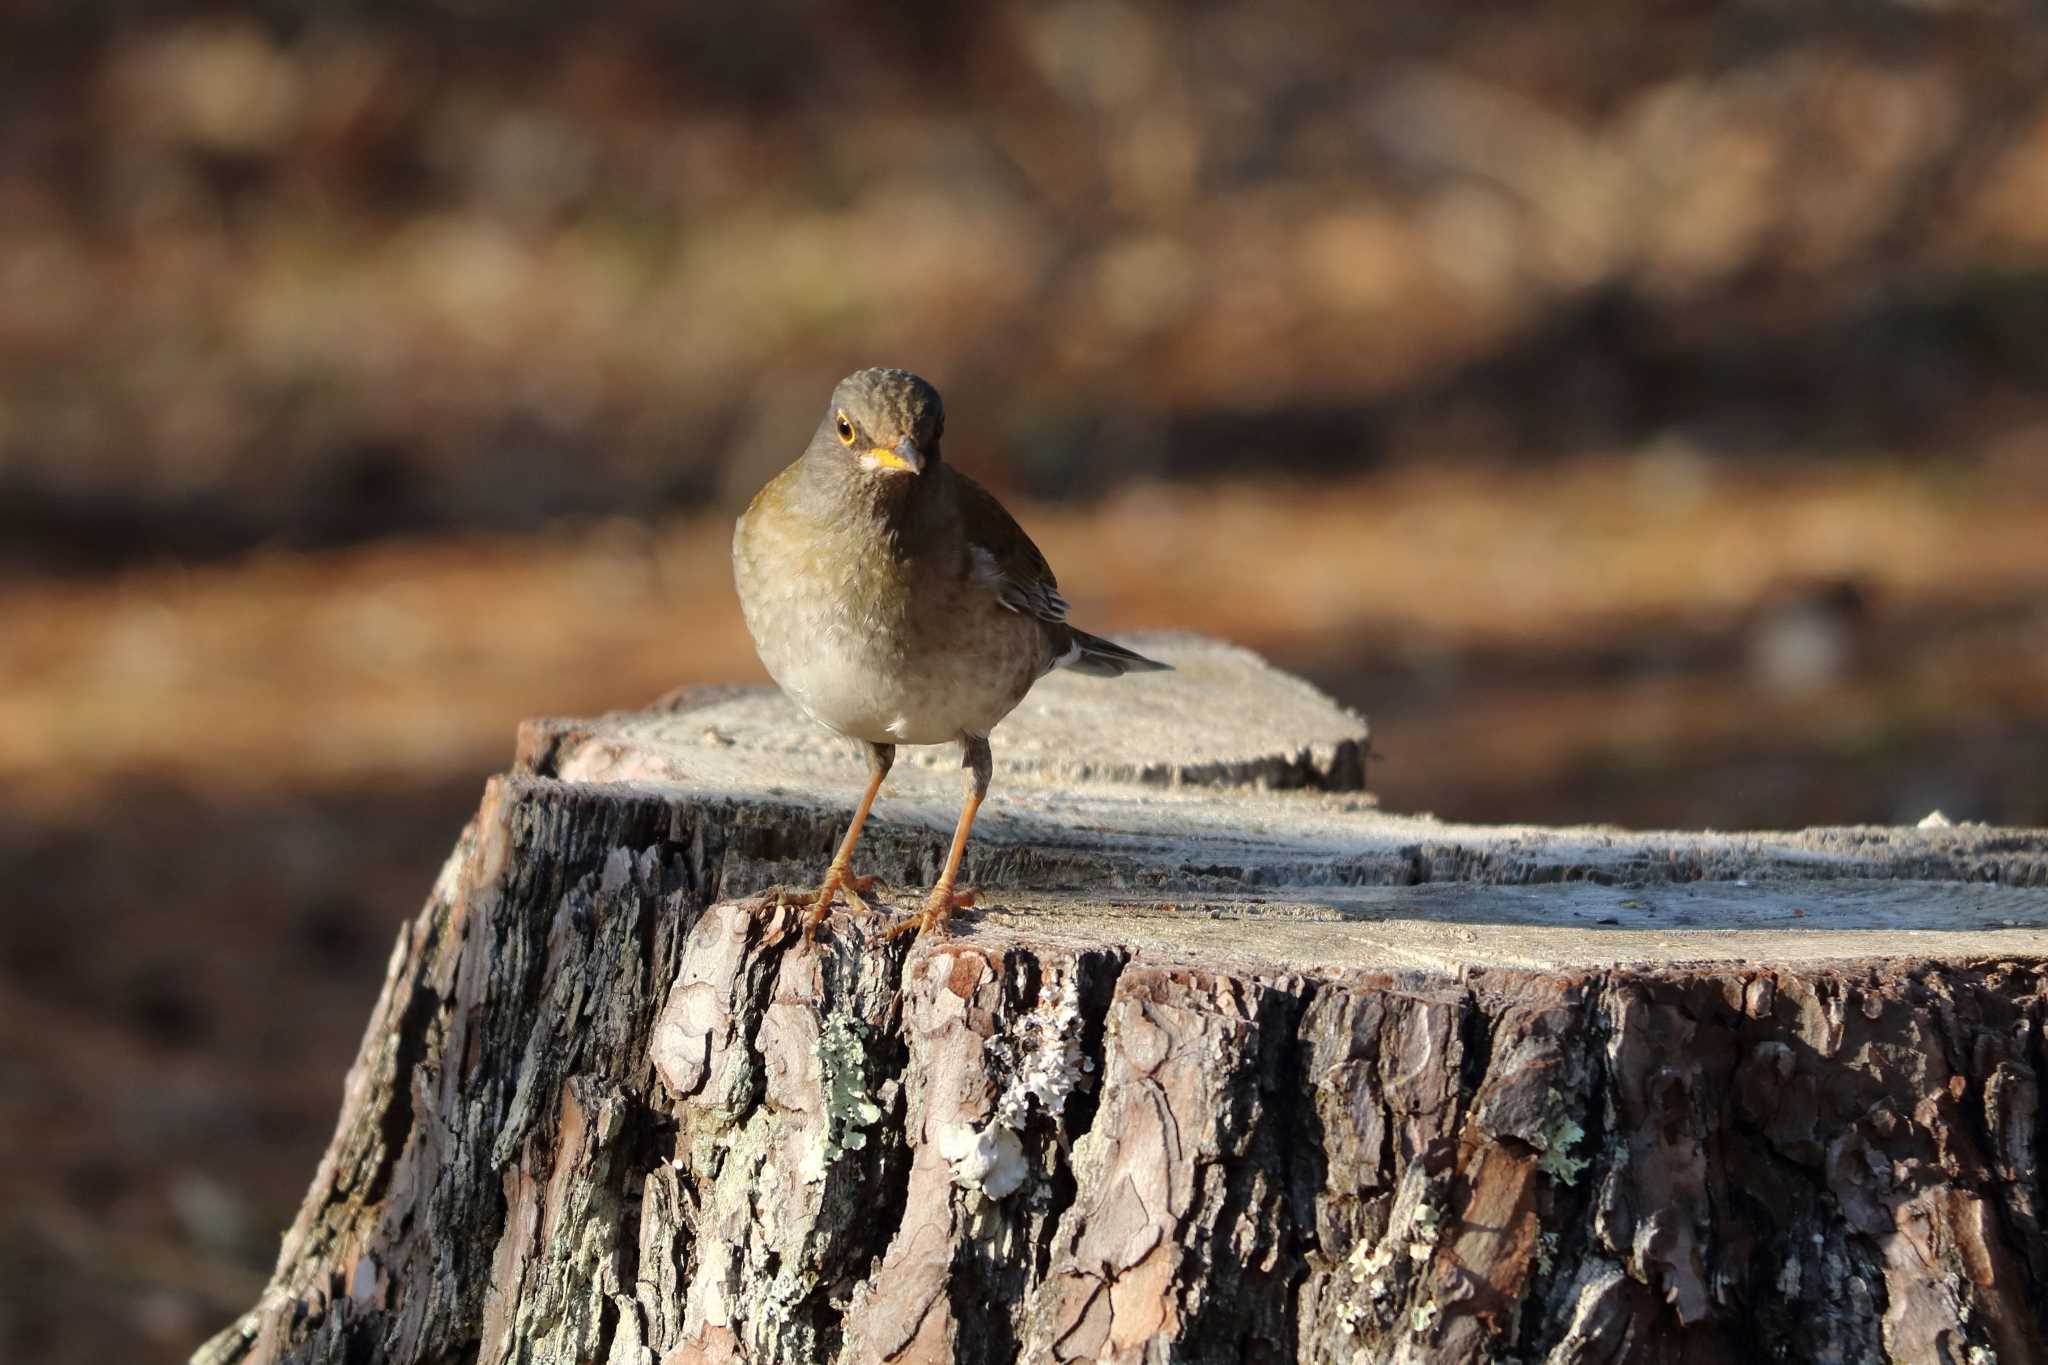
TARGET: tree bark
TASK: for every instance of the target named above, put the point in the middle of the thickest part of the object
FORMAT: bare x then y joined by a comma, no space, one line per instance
1226,1073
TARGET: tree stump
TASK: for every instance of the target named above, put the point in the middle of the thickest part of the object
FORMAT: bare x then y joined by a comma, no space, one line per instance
1233,1067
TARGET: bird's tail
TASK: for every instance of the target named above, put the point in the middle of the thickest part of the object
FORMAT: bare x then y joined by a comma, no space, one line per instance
1100,658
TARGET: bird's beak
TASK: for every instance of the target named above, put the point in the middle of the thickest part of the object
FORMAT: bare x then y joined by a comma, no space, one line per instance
905,457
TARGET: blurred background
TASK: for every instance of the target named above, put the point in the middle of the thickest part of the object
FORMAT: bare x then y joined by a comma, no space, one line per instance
1641,412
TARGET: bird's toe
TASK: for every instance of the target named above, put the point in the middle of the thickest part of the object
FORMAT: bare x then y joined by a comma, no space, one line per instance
936,916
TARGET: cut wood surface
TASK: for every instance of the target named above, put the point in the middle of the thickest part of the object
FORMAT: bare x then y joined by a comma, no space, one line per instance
1233,1066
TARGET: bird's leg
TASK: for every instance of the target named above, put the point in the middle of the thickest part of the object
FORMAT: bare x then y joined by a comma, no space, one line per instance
944,900
839,876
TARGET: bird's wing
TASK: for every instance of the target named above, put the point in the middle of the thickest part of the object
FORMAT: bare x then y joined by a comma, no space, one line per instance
1004,559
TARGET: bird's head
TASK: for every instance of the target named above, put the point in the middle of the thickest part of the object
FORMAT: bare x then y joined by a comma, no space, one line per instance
884,423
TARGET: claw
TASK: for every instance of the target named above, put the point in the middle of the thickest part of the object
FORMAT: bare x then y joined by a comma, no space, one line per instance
817,904
938,909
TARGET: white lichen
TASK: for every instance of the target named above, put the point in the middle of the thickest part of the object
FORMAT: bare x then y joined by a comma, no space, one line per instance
1789,1276
1425,1227
1414,1229
1040,1060
849,1112
1369,1265
1042,1055
991,1160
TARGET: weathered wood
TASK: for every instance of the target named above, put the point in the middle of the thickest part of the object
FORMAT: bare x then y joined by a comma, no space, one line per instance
1225,1073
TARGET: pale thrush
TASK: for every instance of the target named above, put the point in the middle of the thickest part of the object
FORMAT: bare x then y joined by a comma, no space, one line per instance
895,601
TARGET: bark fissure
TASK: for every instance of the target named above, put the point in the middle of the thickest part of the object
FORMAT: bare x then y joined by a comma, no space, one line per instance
410,1046
1570,1138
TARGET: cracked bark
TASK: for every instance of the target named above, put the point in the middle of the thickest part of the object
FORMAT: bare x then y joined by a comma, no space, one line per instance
610,1107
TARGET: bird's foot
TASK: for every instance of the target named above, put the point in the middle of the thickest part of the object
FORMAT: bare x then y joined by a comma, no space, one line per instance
817,904
938,909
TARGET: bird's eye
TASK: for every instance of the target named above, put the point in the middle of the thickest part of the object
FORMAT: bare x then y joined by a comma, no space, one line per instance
845,430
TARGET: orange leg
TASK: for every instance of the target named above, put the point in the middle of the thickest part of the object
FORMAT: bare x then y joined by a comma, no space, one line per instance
944,900
839,876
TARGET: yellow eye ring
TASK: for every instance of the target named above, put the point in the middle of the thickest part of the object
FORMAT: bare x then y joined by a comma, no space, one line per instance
845,430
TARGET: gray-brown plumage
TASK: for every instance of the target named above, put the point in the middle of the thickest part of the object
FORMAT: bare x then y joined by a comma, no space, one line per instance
896,602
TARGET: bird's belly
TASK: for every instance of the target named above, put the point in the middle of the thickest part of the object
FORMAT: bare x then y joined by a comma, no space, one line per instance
882,686
877,651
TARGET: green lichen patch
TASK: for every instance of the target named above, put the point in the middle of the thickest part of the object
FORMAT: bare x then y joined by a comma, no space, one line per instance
850,1110
1556,1143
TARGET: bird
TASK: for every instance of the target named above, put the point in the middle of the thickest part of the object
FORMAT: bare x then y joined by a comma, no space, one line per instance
896,601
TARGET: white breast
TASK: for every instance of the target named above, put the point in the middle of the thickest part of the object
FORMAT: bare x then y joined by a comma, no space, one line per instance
937,663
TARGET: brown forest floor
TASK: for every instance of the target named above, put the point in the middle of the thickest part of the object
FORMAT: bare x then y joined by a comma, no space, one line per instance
227,786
